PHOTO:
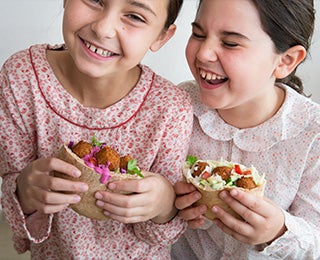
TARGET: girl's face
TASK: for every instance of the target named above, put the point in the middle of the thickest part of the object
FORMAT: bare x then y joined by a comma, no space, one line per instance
230,55
110,37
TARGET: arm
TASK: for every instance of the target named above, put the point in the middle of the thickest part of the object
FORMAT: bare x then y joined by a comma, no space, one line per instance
302,238
17,150
292,233
30,193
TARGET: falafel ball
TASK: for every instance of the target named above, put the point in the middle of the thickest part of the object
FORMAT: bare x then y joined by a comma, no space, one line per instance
124,161
246,183
82,148
200,168
107,154
223,171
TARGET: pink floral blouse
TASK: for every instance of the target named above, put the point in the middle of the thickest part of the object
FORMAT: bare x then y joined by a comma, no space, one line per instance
37,115
287,149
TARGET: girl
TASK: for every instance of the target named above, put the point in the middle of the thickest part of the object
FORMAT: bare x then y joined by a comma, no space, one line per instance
94,85
243,55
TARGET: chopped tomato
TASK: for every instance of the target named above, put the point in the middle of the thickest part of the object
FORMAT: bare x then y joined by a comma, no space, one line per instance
237,169
247,172
205,175
93,160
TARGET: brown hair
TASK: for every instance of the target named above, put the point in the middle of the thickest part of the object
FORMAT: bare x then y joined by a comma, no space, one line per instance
174,7
288,23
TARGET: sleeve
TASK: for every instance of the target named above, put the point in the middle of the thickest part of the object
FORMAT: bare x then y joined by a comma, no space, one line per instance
17,150
302,238
173,151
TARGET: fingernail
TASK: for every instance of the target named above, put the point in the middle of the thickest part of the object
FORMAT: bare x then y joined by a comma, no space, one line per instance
76,173
106,213
234,192
100,203
203,209
84,187
223,194
214,209
112,186
98,196
198,196
76,199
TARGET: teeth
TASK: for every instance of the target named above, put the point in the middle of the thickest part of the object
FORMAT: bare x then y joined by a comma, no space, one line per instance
210,76
98,51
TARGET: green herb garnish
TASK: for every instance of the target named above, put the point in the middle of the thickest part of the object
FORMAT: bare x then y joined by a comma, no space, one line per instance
132,168
95,142
191,160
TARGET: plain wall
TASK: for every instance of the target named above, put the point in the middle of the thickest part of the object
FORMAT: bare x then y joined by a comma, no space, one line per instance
27,22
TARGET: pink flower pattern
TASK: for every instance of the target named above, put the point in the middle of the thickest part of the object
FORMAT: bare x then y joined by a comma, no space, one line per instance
287,149
153,123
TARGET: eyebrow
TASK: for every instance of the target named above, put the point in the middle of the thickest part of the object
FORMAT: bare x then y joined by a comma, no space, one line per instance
143,6
223,33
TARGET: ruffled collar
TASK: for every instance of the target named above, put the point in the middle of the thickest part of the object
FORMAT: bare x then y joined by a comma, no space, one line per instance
291,119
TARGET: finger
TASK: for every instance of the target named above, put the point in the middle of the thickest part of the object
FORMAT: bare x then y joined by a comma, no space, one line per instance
55,198
121,200
187,200
50,209
193,212
235,233
126,219
249,206
129,186
182,188
59,184
125,215
55,164
196,223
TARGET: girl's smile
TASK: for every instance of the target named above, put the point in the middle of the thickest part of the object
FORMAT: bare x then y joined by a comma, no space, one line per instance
224,55
98,52
211,80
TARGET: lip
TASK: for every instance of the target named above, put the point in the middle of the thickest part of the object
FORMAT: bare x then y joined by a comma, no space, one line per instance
96,52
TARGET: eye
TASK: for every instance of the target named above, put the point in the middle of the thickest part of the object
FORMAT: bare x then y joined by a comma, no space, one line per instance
230,44
136,18
97,1
198,36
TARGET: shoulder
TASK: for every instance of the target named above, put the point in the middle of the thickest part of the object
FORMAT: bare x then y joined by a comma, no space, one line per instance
303,108
166,91
22,60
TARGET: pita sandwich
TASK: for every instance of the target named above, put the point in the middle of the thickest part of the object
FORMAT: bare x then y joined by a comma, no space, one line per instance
99,164
210,177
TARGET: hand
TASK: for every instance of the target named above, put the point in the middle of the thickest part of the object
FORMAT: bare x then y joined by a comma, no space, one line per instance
187,195
263,221
150,198
38,190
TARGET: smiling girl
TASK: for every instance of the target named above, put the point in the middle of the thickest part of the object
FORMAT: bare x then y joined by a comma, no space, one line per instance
249,108
94,84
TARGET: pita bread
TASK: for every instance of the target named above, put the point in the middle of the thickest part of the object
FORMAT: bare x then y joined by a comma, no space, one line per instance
87,206
211,198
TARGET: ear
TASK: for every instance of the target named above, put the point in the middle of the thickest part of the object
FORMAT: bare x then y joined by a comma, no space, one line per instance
163,38
289,60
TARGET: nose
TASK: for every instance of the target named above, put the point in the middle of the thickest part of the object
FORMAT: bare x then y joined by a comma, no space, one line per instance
207,51
105,26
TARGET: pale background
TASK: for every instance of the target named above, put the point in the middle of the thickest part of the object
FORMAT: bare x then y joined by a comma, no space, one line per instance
26,22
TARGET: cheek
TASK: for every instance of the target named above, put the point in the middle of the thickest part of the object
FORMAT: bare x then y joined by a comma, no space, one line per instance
190,53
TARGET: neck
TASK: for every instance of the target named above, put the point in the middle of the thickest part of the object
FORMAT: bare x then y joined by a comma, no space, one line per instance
255,112
92,92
